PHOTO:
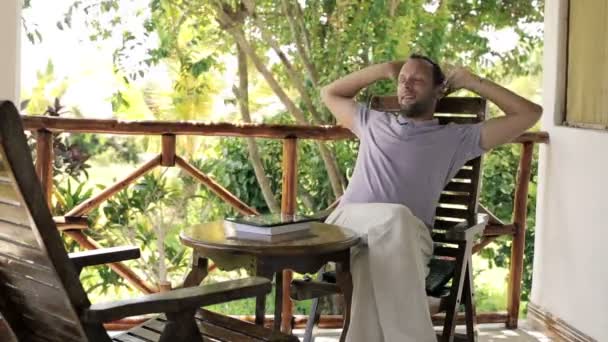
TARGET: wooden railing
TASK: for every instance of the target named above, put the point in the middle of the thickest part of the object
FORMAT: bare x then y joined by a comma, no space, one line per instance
74,221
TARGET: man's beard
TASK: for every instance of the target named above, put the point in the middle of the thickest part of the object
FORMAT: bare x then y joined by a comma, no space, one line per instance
418,108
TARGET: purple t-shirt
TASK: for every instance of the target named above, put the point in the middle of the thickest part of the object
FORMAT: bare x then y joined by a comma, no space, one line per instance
407,162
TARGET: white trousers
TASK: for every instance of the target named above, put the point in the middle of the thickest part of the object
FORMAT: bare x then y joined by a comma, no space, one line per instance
389,269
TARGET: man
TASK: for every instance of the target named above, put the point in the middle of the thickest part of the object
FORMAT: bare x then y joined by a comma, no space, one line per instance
403,164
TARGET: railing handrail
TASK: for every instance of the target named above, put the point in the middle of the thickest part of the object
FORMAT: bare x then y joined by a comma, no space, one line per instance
224,129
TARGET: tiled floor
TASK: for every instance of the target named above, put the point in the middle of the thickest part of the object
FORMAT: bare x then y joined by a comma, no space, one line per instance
487,333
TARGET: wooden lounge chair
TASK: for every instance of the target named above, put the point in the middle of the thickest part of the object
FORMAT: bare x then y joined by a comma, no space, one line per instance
41,296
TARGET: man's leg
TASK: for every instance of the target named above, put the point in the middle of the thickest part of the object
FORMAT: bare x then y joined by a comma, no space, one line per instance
364,322
399,251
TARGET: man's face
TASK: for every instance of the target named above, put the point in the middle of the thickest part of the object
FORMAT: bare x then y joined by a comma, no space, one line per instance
415,88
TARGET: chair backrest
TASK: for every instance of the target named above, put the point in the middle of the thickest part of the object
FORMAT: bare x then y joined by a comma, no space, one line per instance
459,199
40,292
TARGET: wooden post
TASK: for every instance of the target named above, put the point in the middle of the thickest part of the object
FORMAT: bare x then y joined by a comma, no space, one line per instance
168,150
44,162
519,238
288,207
164,286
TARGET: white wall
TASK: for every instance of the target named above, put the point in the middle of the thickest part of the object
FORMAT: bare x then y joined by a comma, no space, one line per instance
571,248
10,32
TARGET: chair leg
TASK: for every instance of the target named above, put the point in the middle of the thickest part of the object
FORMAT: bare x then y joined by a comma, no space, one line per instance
345,281
315,314
469,304
313,321
260,301
453,303
181,326
260,310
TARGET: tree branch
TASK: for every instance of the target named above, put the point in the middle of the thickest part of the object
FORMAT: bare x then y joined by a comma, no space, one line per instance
242,95
296,80
238,34
310,68
300,20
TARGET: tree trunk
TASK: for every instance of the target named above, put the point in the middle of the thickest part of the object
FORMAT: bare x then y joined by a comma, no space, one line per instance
307,198
239,36
160,246
300,20
298,37
295,78
393,7
242,94
327,155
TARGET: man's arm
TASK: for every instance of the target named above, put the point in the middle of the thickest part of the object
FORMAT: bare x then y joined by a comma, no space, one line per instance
521,114
339,95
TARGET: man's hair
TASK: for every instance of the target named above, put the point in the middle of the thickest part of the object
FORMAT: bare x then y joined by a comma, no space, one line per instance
438,76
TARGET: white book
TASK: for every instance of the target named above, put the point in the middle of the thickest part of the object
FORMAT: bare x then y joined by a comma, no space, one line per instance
271,224
300,234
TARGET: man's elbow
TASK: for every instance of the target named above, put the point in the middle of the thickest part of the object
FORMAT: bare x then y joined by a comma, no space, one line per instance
530,114
537,112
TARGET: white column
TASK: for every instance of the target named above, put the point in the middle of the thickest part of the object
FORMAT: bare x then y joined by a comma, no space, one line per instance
10,44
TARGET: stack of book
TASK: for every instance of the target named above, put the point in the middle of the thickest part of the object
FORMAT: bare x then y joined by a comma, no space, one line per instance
271,227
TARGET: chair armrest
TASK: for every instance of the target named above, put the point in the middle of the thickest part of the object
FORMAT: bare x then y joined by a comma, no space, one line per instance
71,223
103,256
463,231
180,300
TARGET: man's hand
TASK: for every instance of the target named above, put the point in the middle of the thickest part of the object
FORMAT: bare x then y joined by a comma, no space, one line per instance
394,68
520,114
339,95
457,77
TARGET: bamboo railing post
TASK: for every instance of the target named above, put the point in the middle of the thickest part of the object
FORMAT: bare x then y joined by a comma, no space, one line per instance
164,286
519,237
288,207
44,162
168,150
290,173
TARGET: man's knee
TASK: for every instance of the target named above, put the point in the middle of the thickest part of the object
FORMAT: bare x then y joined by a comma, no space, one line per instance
394,212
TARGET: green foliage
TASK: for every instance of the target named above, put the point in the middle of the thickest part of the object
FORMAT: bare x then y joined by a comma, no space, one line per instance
230,166
32,33
70,194
340,36
44,94
144,216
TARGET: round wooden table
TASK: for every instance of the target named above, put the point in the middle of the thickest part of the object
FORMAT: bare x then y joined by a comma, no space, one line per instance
302,252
